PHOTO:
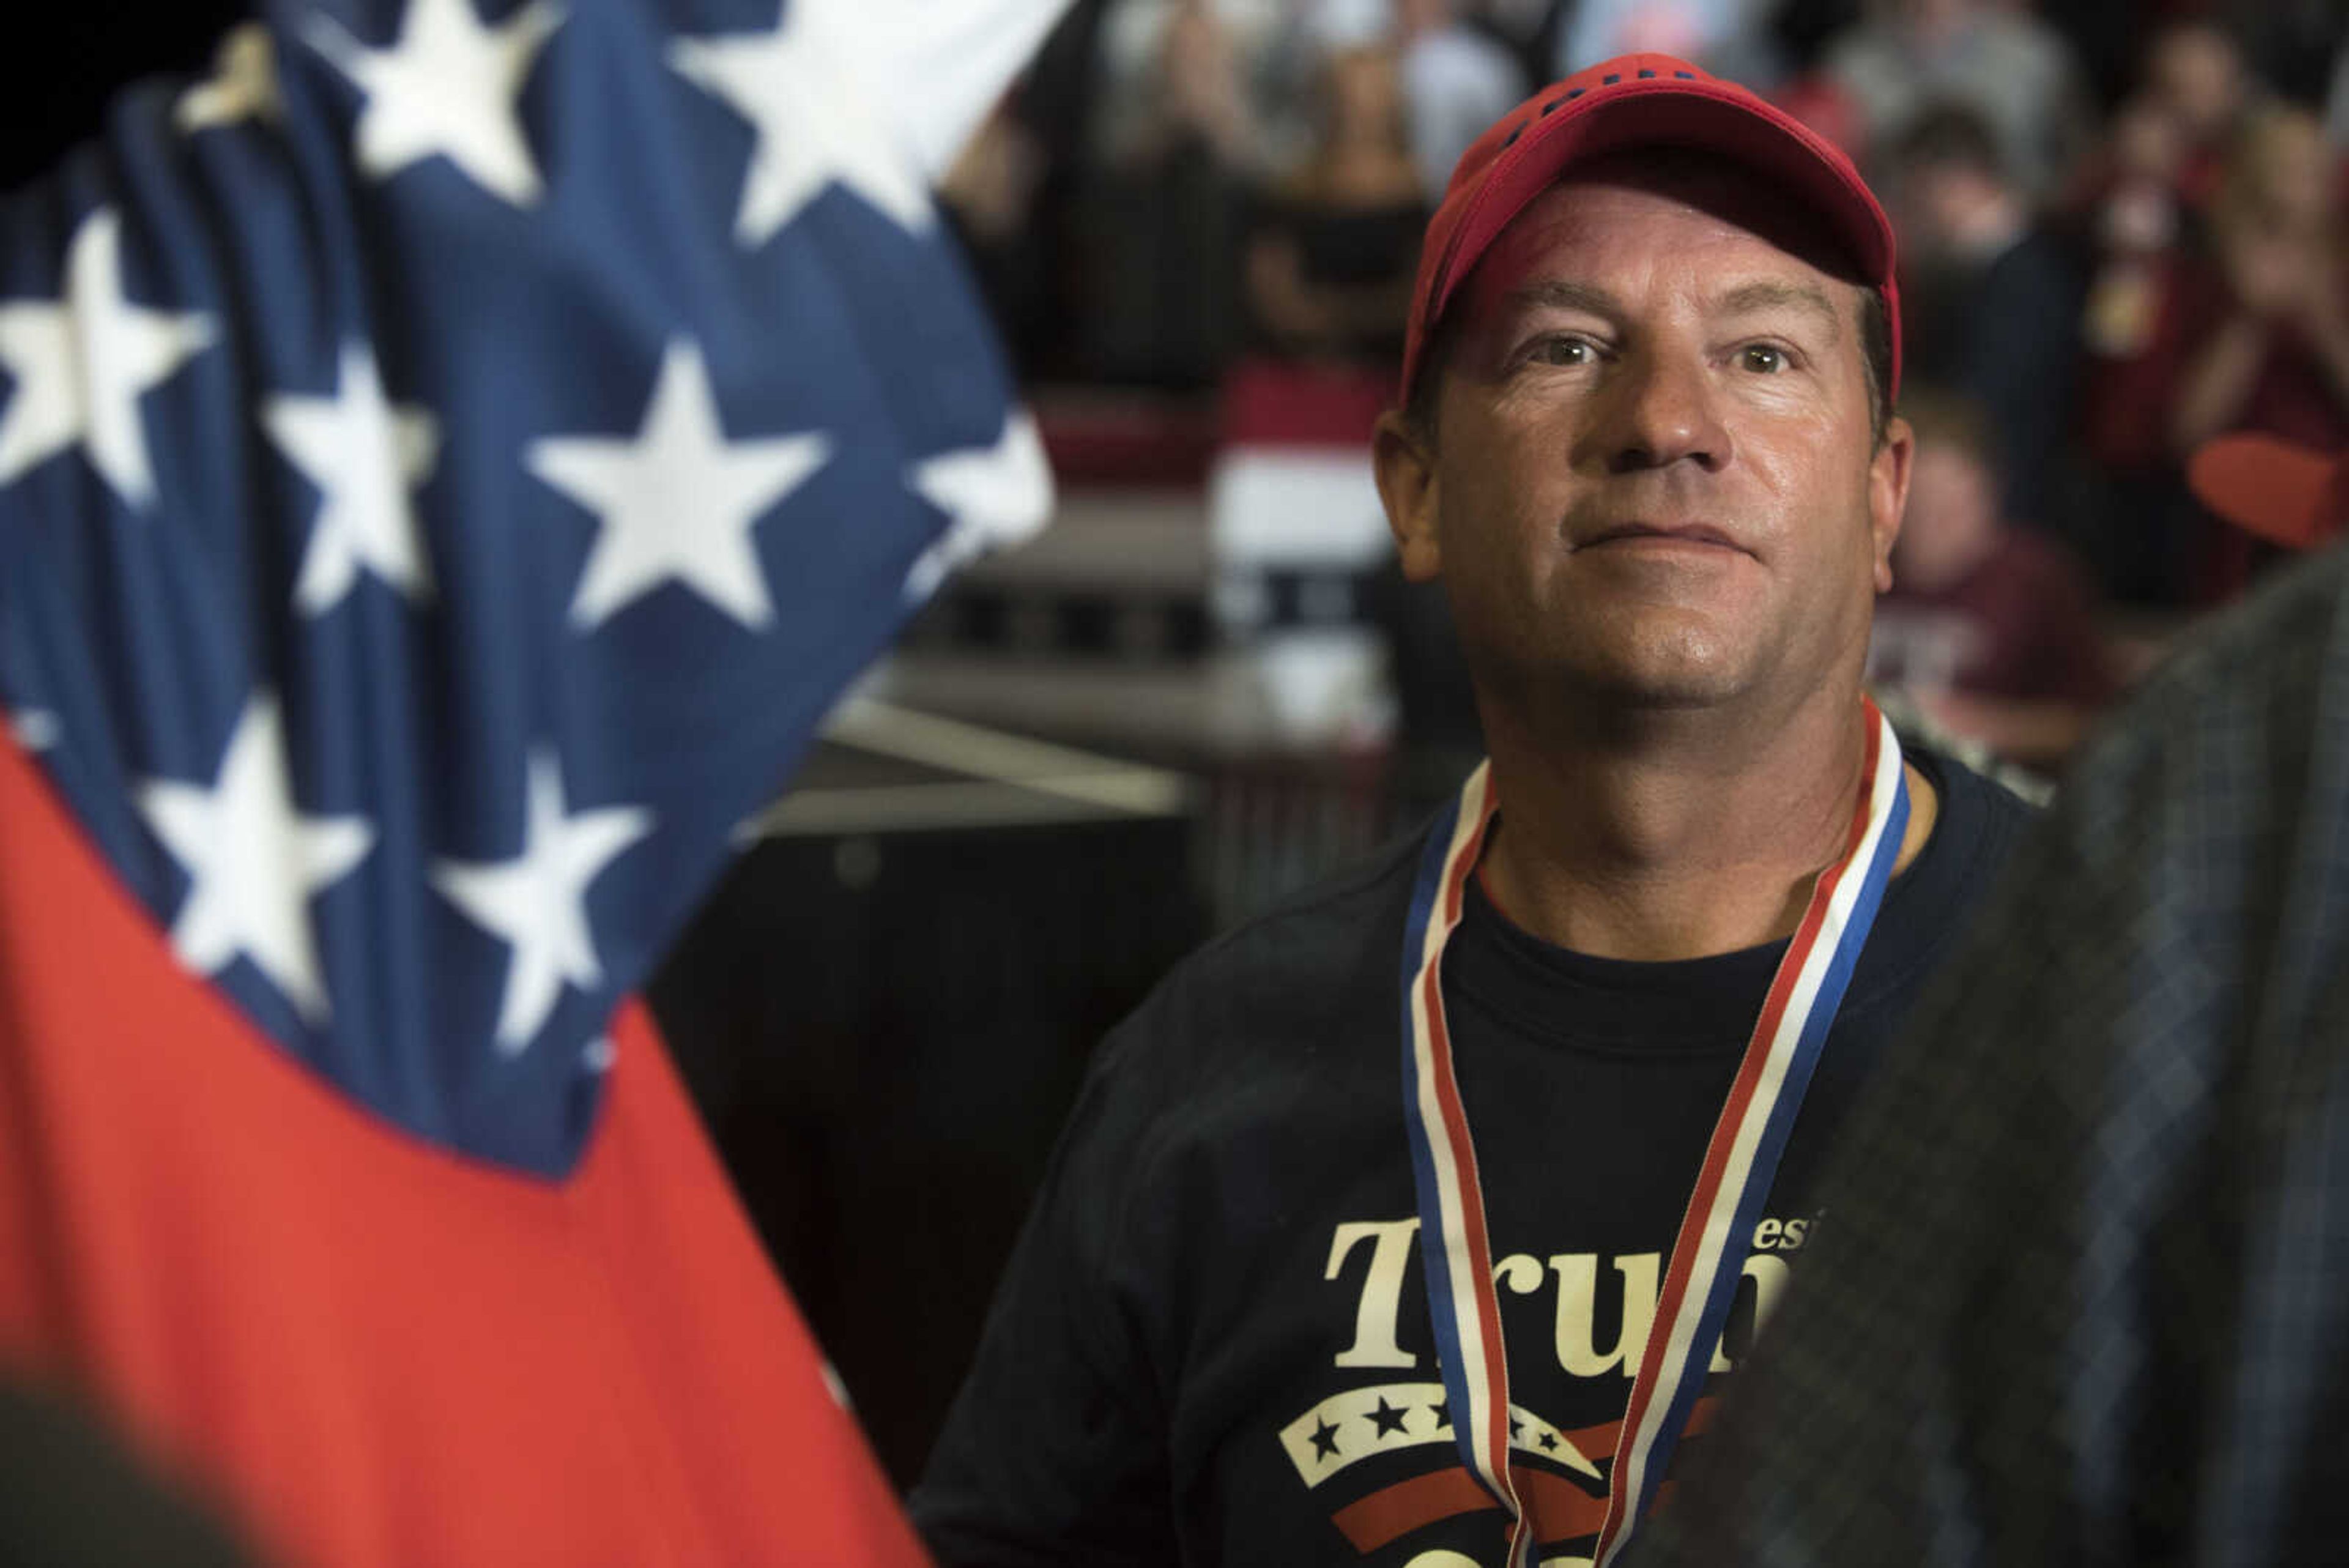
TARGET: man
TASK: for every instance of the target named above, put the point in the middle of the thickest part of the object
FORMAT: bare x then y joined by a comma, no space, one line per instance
1280,1303
2082,1295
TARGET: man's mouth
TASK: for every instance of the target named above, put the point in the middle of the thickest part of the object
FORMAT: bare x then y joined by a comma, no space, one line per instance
1693,535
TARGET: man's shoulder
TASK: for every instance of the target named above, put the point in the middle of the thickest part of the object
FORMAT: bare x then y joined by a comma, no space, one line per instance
1977,824
1290,1010
1319,964
1322,933
1980,820
1975,796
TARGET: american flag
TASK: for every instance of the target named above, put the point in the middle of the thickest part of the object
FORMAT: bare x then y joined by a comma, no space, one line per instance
450,461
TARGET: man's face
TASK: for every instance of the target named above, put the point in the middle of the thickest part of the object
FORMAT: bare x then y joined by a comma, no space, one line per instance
1652,476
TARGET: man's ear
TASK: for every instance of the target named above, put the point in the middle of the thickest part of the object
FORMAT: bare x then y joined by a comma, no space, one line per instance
1404,465
1887,493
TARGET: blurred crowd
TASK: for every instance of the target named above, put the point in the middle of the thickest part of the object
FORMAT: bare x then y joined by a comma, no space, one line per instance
2121,227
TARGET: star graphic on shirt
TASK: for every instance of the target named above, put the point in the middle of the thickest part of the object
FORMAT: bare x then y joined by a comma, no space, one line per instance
242,86
1549,1441
254,861
447,88
995,495
81,363
536,902
1325,1441
1386,1418
1441,1411
812,127
365,455
678,500
1515,1426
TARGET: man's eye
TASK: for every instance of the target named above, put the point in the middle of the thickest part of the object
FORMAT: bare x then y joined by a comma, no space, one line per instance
1564,352
1762,359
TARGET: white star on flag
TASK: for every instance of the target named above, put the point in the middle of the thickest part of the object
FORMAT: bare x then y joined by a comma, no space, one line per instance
997,496
536,902
365,455
678,500
35,728
813,125
243,84
82,361
254,860
446,88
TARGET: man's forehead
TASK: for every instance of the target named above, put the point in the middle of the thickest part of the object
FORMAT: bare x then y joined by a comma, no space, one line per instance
1651,206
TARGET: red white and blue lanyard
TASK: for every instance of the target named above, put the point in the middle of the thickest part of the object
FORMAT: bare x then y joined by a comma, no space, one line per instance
1740,1161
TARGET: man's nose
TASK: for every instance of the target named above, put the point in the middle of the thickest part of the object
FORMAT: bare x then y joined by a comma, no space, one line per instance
1661,411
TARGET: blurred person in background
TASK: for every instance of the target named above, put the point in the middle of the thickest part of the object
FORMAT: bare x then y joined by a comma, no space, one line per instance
1182,141
1906,55
1989,628
2195,75
1011,196
1456,80
990,197
1992,299
1330,261
2263,331
2242,323
1647,444
2131,218
1728,37
1220,79
2130,214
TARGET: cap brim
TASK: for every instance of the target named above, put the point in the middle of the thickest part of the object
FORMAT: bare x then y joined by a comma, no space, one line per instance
1703,116
2268,486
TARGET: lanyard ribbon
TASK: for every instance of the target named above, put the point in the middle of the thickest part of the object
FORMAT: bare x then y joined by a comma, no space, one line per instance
1740,1161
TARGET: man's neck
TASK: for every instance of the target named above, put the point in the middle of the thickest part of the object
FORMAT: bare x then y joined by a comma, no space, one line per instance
1675,842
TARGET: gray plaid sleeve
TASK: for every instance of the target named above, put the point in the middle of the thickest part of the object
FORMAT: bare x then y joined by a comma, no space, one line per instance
2081,1288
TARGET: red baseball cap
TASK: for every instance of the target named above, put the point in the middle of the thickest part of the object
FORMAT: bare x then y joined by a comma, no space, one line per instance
2287,493
1640,100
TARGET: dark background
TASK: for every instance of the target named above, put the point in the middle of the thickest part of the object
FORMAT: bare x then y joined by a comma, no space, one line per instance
56,77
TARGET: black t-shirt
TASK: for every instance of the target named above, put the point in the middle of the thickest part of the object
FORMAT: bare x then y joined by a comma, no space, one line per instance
1212,1346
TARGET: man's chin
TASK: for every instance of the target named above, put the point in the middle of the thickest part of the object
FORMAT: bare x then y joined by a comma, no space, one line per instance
1666,678
1672,670
1663,695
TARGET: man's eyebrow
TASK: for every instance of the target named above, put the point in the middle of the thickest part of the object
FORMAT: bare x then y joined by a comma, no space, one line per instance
1748,299
1557,294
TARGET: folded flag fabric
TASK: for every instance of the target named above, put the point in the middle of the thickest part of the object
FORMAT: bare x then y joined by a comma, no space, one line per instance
450,461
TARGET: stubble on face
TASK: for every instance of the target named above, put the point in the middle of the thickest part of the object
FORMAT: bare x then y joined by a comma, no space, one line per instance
1655,484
